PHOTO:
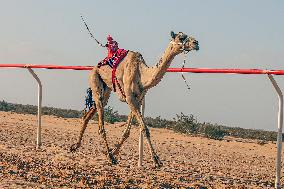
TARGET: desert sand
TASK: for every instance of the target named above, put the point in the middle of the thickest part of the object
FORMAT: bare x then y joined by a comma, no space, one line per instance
189,162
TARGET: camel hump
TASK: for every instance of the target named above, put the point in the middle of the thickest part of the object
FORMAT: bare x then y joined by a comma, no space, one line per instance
137,56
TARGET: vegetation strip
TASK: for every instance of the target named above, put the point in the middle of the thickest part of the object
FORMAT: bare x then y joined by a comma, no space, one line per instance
181,123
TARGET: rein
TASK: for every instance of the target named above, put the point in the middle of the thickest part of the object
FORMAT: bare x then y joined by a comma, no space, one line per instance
92,36
183,65
184,60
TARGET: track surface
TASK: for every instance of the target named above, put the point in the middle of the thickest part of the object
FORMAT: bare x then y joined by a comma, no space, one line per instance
189,162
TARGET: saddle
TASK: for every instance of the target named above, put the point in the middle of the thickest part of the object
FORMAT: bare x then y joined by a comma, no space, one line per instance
113,62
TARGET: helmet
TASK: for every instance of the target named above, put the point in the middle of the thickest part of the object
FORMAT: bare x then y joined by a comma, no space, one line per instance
111,44
109,38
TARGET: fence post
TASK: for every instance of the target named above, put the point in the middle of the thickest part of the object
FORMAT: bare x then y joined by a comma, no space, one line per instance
279,135
38,138
141,136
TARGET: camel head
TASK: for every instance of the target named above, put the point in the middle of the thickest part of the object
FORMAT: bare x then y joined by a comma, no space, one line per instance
181,42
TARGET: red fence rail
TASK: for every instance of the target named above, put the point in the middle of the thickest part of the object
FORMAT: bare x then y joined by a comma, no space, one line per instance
192,70
46,66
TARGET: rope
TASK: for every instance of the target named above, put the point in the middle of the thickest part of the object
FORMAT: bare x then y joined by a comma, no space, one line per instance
184,59
120,89
92,36
183,77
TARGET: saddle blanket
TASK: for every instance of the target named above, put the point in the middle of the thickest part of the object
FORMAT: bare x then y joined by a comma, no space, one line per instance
114,61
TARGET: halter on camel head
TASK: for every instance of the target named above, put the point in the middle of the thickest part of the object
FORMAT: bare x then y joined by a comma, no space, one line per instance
186,44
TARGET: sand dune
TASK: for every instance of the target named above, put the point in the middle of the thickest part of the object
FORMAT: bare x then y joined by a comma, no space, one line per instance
189,162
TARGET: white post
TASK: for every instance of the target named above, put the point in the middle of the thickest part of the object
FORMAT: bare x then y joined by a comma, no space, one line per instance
38,138
141,137
279,136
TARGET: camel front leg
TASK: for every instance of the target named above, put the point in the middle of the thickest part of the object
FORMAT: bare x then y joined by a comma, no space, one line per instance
125,135
86,120
134,106
126,132
146,133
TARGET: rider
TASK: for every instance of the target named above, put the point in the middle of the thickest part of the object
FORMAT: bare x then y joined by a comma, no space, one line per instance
114,57
112,46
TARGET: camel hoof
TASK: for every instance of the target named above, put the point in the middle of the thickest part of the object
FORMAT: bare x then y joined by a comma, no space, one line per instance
112,158
74,147
157,161
157,166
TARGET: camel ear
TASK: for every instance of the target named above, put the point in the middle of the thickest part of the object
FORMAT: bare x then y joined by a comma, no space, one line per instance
173,34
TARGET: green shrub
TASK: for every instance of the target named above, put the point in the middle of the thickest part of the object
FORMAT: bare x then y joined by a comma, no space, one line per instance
185,124
213,132
157,122
30,109
251,133
110,115
4,106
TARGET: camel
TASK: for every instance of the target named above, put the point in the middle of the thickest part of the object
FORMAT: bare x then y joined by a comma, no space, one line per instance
134,78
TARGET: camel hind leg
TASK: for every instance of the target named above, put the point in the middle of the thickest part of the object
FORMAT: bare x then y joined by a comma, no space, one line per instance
101,94
89,115
125,134
101,130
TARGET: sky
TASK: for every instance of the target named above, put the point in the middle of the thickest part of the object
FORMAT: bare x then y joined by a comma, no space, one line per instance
231,34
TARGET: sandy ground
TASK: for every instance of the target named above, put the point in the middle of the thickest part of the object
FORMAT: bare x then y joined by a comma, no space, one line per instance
189,162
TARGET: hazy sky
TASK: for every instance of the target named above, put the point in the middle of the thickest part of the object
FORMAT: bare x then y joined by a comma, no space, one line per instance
232,34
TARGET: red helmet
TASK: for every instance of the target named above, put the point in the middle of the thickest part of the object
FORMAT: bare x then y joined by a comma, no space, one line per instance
109,38
111,44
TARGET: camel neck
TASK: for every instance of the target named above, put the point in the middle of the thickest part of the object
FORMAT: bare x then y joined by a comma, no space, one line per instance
157,72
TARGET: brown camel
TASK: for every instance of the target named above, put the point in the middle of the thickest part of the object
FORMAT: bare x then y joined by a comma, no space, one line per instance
135,78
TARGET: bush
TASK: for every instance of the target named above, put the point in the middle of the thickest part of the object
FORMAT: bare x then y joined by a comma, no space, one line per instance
110,115
185,124
4,106
214,132
30,109
157,122
251,133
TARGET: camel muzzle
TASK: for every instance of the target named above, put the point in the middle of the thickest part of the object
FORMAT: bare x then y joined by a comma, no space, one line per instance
196,45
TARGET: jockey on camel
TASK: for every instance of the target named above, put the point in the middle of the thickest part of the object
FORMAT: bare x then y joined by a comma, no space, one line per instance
112,46
114,57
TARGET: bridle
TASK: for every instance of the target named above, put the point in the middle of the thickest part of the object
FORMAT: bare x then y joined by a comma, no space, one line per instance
184,51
